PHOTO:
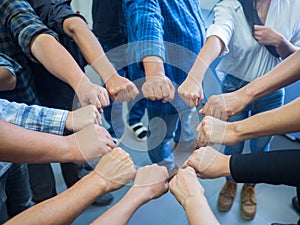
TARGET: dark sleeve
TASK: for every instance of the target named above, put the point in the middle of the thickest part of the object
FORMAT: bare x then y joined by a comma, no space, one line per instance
54,12
275,167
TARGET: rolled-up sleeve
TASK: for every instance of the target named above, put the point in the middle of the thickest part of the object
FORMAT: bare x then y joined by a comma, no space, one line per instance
23,24
145,28
34,117
223,25
9,64
54,12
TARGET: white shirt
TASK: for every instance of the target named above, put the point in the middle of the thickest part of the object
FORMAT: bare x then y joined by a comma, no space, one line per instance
244,57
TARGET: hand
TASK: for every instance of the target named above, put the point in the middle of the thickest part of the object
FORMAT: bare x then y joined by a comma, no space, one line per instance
158,87
89,93
191,92
116,169
90,143
209,163
185,185
225,105
83,117
151,181
121,89
214,131
267,36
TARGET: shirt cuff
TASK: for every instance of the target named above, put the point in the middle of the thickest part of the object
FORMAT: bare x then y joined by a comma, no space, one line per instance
149,48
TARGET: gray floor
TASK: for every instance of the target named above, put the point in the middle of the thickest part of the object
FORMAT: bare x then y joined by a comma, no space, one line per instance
274,202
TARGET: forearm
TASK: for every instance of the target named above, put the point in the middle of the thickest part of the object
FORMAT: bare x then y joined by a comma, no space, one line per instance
57,60
7,80
121,212
282,120
210,51
25,146
285,48
276,167
282,75
199,212
153,66
65,207
90,47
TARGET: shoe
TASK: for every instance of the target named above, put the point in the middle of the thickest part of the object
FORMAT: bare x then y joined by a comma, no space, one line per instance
116,141
248,206
226,196
139,130
103,200
295,203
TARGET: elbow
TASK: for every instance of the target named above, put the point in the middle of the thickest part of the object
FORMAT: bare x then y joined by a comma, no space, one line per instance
11,85
73,25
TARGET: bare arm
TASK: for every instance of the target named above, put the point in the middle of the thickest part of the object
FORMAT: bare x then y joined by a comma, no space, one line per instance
191,195
282,120
225,105
150,183
60,63
92,51
7,80
191,89
108,176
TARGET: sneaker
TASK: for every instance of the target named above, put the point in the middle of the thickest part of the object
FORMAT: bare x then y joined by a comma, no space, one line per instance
248,206
139,130
103,200
226,196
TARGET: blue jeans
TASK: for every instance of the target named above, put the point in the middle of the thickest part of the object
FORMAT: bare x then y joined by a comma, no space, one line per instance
15,193
161,130
113,113
269,102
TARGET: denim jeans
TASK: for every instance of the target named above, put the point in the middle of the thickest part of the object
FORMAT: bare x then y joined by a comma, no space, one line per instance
15,193
269,102
161,130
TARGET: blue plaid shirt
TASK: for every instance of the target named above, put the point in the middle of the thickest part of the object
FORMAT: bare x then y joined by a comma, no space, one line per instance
173,30
18,26
34,117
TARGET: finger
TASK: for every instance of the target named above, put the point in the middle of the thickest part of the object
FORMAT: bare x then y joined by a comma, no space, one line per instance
133,91
151,93
103,96
98,118
172,91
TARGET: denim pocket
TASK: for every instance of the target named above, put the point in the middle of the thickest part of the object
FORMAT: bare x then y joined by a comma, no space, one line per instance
231,83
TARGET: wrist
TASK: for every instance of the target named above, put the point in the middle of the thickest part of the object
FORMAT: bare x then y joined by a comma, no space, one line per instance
69,122
140,195
193,201
247,93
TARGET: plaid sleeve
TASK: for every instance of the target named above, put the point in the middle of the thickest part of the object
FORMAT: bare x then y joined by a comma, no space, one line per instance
34,117
54,12
23,24
9,64
145,27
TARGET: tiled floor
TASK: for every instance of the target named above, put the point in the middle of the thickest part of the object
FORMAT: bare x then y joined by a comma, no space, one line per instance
274,202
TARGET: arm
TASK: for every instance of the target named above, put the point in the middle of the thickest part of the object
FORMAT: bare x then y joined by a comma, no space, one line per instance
150,183
7,80
26,146
267,36
282,169
282,120
145,25
59,16
191,195
38,43
119,87
191,89
229,104
59,62
109,175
